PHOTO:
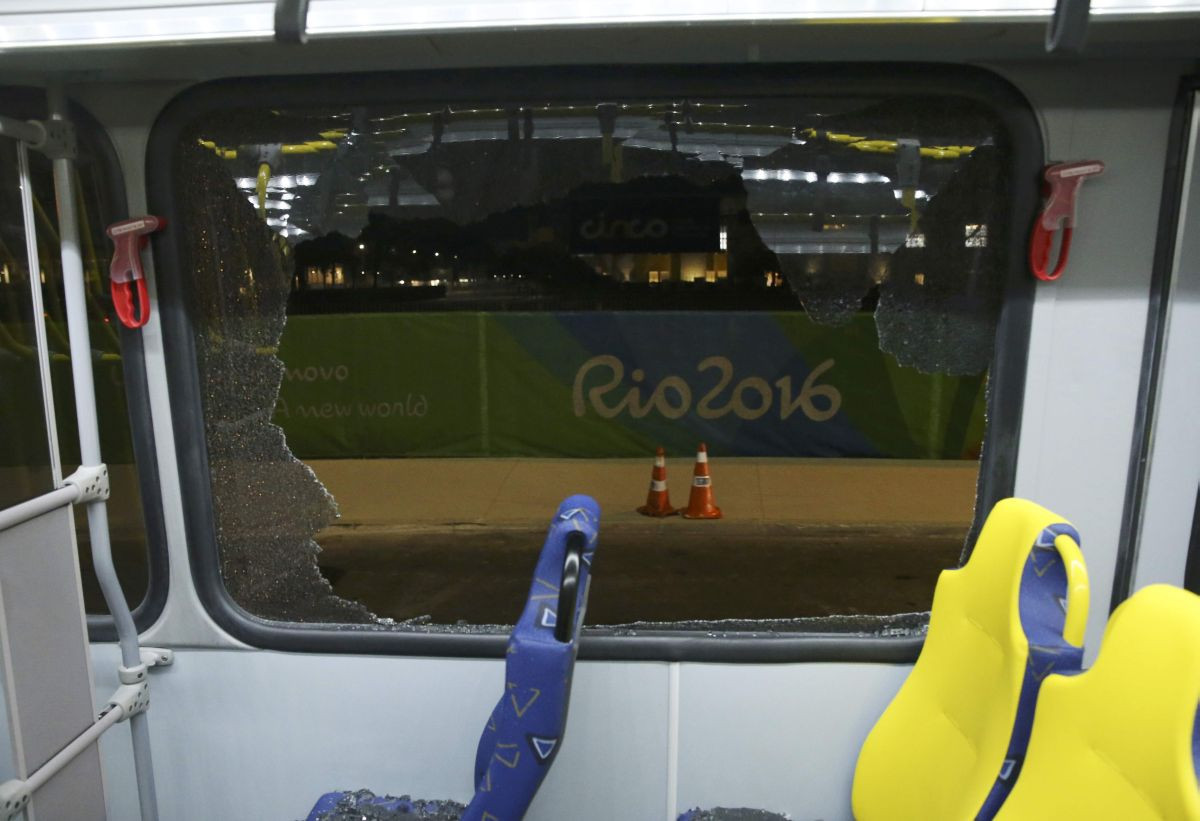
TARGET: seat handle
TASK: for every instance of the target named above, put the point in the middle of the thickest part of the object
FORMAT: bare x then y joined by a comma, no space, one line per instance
568,588
1075,624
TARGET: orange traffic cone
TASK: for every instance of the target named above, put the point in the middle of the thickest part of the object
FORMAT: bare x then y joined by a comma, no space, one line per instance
658,501
700,502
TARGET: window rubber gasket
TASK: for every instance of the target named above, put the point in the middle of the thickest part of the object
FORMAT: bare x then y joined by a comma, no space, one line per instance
501,86
30,103
1153,352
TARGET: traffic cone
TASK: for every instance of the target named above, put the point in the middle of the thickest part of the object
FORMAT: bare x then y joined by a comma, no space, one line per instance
658,501
700,502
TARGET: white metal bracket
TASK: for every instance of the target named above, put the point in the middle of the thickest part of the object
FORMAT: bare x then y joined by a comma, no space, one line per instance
92,481
132,699
151,657
14,797
59,140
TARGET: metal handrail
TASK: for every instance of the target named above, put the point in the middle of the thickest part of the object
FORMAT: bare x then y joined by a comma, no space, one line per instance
22,130
27,511
89,446
89,484
39,326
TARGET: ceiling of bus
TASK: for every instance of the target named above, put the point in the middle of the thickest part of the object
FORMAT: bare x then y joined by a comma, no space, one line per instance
34,24
397,162
733,41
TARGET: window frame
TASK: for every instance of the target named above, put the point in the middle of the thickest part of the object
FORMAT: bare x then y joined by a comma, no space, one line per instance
1158,310
1006,391
30,103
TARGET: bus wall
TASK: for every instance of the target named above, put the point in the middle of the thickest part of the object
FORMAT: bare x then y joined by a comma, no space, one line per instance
242,733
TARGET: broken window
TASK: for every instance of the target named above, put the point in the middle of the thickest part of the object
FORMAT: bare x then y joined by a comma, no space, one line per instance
419,326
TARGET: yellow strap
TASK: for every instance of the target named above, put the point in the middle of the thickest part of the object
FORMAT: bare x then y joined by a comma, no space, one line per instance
264,176
936,152
306,147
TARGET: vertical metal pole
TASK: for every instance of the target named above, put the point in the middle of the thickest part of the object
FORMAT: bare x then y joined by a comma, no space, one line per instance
39,310
89,448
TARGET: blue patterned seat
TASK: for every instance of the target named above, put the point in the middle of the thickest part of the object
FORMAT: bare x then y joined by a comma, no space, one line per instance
525,730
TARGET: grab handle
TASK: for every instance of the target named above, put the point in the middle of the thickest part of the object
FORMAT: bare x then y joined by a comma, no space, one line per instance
1058,213
127,280
568,588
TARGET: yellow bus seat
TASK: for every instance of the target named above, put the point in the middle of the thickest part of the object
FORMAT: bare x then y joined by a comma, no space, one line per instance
951,742
1121,742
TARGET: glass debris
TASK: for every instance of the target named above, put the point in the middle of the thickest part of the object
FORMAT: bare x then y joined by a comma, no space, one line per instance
902,625
729,814
364,805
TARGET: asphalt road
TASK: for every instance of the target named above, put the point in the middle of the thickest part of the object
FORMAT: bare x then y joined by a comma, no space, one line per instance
696,570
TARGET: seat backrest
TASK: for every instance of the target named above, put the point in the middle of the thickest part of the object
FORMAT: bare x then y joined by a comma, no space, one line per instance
525,731
1121,740
951,742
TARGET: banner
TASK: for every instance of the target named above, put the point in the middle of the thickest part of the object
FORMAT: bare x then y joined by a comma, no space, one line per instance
23,440
612,384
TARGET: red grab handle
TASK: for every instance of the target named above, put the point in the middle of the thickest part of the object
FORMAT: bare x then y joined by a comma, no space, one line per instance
126,278
1039,253
1062,183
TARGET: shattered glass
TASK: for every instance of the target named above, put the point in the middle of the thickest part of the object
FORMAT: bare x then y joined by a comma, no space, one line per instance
364,805
938,311
848,214
893,208
266,502
732,814
901,625
830,197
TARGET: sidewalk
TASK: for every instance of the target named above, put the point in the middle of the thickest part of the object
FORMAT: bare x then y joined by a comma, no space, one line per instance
446,493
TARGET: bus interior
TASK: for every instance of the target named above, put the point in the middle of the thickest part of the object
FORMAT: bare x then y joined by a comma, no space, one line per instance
338,338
